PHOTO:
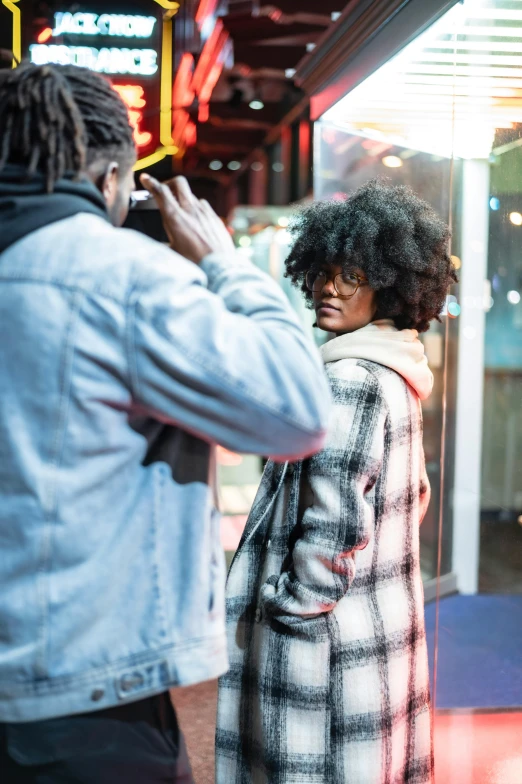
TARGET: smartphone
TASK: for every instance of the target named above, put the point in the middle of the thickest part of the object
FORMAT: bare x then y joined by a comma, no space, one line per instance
144,216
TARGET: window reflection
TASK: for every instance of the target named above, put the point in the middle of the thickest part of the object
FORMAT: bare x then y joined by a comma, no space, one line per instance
445,117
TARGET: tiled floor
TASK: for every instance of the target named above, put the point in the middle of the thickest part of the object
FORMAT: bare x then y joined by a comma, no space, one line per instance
196,709
478,748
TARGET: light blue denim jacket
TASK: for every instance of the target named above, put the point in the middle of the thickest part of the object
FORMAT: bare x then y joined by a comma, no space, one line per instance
119,362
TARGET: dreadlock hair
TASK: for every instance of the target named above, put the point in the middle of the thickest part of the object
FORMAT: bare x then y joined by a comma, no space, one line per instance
397,239
60,119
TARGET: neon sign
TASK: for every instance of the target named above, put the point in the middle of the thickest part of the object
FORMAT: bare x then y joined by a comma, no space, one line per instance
133,97
107,60
112,45
122,25
140,62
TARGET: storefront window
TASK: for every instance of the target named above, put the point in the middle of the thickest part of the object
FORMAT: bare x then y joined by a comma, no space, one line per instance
444,116
260,234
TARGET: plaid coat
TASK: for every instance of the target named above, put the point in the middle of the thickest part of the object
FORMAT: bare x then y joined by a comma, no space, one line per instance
328,680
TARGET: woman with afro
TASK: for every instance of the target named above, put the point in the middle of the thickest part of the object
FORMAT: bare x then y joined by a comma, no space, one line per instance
328,681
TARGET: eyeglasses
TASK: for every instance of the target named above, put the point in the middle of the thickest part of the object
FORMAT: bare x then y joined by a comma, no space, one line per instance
346,284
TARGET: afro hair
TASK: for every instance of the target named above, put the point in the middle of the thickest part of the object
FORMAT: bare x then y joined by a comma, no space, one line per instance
397,239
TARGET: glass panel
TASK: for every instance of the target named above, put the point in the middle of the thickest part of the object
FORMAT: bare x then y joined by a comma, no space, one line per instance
260,234
343,162
445,117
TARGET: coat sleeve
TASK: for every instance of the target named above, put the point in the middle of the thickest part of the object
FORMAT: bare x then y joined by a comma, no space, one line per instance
341,519
218,350
425,489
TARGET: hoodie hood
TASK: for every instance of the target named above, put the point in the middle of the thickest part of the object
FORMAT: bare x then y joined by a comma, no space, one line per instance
381,342
25,206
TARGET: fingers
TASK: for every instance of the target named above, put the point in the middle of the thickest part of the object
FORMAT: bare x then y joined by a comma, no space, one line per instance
165,199
205,206
152,185
181,191
155,188
177,188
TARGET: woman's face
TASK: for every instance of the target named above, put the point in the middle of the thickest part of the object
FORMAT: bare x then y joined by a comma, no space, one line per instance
338,315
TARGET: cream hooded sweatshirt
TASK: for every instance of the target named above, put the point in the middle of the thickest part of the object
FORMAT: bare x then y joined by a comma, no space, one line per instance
381,342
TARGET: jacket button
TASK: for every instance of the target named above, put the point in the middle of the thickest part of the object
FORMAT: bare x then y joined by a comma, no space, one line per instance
97,695
258,615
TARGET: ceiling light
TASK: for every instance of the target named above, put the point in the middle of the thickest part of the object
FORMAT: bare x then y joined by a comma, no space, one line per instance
497,13
256,104
278,167
257,166
234,165
215,165
513,297
310,47
515,218
283,221
245,241
494,203
456,262
392,161
446,74
289,73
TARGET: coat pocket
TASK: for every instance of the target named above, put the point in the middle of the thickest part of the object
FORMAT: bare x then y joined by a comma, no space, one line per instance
303,628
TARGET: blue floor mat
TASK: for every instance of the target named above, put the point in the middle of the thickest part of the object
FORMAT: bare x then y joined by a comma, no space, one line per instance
480,651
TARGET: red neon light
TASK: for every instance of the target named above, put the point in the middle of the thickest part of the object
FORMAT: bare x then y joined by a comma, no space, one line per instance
184,131
182,93
191,134
132,96
180,123
210,82
209,54
45,35
205,9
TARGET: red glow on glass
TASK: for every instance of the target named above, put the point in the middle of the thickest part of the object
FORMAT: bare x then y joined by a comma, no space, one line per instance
227,458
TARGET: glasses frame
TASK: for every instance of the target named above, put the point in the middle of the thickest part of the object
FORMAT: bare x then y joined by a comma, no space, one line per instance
360,282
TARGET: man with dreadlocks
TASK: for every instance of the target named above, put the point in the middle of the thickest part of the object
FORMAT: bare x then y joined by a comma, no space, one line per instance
121,363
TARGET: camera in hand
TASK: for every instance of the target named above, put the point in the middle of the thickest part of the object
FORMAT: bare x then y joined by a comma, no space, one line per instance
144,216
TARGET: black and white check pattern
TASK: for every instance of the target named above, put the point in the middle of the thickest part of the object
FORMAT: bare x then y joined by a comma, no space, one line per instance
328,681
